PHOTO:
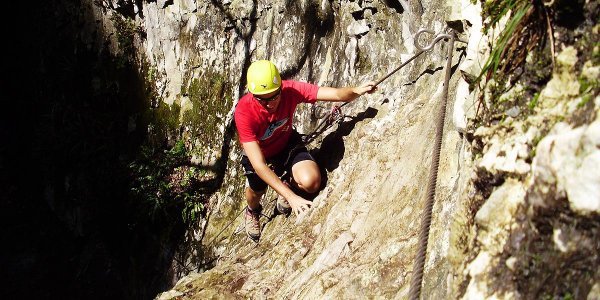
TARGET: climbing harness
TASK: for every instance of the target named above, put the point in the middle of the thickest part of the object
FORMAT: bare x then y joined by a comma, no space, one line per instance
417,277
334,116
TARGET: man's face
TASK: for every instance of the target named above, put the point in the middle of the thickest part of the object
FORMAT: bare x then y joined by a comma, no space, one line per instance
269,101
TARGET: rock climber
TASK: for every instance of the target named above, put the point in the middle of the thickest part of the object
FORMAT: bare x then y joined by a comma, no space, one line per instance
264,118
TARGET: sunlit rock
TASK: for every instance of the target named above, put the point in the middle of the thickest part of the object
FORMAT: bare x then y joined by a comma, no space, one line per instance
496,215
564,83
566,164
357,28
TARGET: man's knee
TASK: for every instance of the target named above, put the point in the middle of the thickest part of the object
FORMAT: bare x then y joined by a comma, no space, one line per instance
309,183
307,176
313,186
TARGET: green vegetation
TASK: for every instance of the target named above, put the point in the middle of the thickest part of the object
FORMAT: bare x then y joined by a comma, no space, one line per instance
163,123
534,101
587,89
163,178
568,296
509,44
521,41
516,75
160,182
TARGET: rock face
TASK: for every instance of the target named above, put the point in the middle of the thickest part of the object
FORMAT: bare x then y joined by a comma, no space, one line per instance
360,237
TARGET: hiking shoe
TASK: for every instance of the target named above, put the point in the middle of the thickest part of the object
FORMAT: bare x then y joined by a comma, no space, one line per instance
252,223
283,206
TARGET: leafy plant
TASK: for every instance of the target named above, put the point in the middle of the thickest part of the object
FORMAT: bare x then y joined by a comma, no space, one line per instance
534,101
525,30
524,26
160,182
192,211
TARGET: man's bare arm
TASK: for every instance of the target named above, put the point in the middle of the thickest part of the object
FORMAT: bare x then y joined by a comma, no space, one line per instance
345,94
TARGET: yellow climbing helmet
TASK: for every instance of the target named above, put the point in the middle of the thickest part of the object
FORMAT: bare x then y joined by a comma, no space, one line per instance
263,77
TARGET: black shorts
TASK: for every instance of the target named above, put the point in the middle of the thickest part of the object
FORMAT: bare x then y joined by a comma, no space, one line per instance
281,163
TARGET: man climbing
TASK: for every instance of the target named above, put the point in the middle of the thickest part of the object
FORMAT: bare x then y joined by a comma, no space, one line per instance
264,118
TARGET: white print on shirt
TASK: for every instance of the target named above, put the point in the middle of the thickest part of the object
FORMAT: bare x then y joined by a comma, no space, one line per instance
272,127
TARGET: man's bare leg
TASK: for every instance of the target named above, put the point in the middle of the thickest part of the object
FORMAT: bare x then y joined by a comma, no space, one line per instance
253,198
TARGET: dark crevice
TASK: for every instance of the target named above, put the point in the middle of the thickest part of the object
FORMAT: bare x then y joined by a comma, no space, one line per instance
571,13
73,232
395,5
168,3
358,15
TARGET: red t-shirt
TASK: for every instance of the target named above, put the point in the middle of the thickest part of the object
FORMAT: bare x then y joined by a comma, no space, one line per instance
272,131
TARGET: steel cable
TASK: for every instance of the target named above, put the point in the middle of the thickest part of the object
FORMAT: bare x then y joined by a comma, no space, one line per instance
419,263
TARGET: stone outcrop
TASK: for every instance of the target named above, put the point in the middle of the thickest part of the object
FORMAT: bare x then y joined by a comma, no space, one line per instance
565,166
543,179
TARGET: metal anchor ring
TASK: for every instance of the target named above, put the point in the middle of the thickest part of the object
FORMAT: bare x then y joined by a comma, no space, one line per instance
438,37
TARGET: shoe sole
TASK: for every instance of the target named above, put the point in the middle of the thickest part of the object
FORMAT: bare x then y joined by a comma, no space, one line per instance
254,239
